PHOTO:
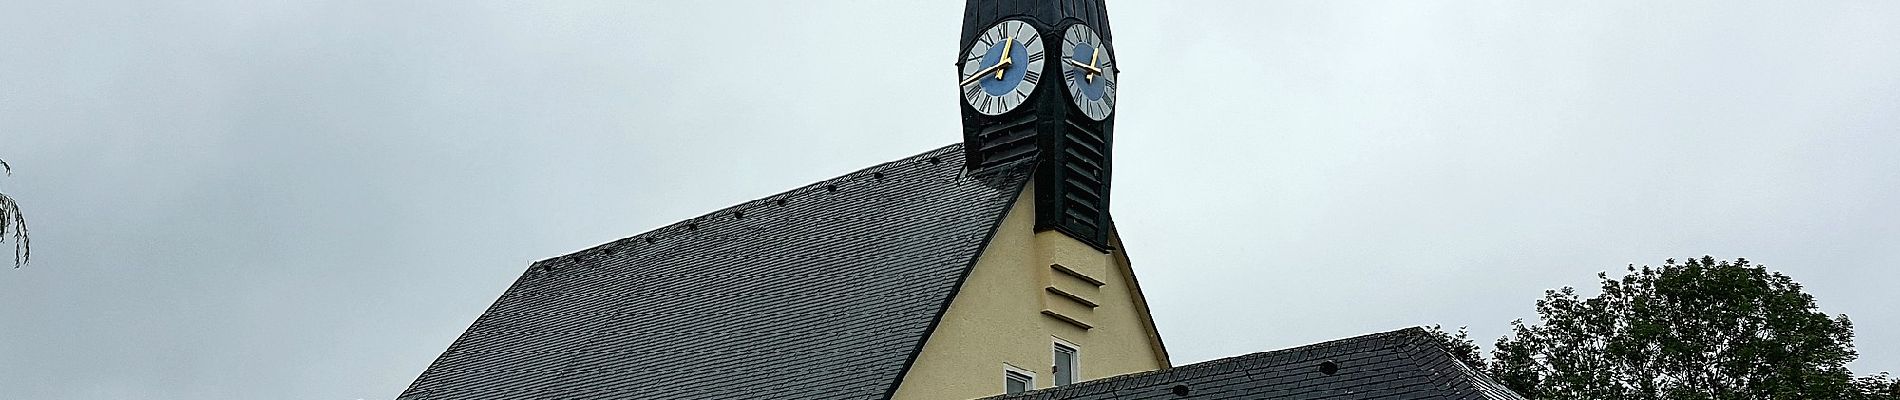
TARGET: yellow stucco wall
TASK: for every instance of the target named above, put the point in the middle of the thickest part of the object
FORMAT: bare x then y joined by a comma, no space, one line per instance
998,317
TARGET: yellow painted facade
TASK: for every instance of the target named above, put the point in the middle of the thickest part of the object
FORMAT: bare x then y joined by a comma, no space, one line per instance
1027,291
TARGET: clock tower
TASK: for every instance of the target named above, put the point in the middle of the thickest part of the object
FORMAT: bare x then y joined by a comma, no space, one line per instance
1037,79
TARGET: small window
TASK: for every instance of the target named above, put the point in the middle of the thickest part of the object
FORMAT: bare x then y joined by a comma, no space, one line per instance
1067,362
1016,382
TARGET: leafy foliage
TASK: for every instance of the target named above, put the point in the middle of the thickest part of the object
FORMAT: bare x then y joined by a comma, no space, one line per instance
1876,387
12,222
1459,344
1700,329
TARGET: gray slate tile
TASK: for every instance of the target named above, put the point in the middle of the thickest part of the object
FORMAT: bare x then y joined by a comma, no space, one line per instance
822,292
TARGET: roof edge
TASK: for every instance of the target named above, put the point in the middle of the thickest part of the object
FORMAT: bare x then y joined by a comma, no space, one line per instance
962,277
1410,335
726,214
1141,300
1478,382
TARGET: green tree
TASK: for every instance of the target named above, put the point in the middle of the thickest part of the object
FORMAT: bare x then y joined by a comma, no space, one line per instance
1700,329
14,224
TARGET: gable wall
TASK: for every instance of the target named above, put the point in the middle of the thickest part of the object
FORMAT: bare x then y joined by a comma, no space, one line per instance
1001,316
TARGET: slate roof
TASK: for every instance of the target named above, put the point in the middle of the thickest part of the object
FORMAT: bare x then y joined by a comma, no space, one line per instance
1405,364
826,291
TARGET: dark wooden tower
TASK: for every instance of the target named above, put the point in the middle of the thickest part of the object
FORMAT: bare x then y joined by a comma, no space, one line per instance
1066,125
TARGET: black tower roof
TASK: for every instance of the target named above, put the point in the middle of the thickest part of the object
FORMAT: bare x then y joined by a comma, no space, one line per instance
1048,13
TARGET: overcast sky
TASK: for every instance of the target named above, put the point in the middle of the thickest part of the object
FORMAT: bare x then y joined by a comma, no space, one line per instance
311,200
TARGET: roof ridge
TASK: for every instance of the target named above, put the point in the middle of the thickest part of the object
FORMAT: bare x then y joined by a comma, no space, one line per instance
1314,347
1476,381
963,276
775,200
1388,338
1408,363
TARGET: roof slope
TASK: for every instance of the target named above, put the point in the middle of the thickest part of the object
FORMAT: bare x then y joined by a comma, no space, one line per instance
825,291
1399,365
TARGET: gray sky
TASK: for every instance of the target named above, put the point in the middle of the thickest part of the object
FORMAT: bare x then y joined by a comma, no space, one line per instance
310,200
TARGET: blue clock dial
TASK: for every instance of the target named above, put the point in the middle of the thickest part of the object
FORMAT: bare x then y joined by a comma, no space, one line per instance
1089,69
1002,67
1012,74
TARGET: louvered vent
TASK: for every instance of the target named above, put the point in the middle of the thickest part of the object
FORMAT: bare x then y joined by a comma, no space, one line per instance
1072,192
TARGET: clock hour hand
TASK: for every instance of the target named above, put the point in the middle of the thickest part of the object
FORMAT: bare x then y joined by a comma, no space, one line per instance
1093,70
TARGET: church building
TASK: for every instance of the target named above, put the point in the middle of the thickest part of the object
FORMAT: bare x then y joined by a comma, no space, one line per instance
989,268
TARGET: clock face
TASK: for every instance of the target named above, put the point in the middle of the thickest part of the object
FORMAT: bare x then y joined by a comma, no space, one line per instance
1002,68
1089,71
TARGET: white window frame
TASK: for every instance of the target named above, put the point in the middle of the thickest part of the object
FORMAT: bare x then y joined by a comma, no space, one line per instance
1013,370
1075,356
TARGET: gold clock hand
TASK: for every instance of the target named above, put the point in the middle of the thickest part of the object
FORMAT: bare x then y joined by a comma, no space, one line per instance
1079,64
1007,45
979,74
1092,68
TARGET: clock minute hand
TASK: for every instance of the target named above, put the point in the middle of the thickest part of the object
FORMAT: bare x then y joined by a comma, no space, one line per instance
1092,70
1007,45
1078,64
980,74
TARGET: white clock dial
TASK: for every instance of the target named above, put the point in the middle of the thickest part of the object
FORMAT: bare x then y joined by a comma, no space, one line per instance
1089,70
1002,68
